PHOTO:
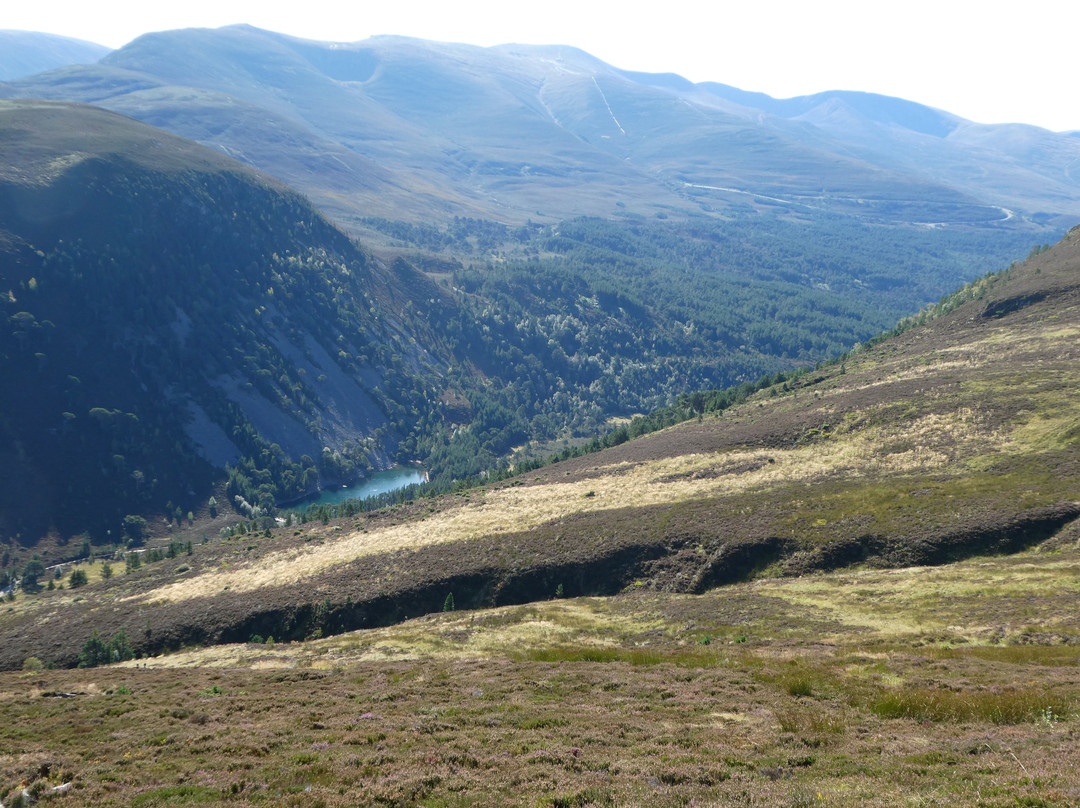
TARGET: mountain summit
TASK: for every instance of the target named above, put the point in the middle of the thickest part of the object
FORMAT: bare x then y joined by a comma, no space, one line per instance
24,53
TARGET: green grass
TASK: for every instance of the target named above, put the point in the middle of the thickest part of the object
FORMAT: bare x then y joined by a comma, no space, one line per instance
177,795
1047,655
637,657
1010,705
898,505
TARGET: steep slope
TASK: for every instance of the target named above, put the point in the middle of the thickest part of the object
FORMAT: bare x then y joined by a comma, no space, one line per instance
953,437
168,312
517,132
24,53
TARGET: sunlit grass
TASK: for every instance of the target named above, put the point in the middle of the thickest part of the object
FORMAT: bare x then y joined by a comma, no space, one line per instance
679,657
1047,655
1009,705
641,695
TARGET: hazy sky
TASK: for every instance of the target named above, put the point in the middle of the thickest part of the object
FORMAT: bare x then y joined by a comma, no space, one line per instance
990,61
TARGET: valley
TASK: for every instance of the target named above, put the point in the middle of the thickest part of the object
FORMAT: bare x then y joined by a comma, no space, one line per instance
952,438
735,439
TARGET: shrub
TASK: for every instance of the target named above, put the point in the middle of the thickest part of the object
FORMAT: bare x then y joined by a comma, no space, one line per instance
134,529
799,686
77,578
96,651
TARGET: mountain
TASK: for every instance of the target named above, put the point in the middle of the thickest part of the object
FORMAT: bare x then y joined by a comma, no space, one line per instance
261,346
176,327
955,436
23,53
421,131
1034,163
167,313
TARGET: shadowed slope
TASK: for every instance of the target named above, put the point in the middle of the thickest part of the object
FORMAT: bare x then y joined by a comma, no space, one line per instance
168,311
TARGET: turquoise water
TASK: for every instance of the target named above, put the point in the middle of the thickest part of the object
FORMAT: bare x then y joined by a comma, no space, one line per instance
382,482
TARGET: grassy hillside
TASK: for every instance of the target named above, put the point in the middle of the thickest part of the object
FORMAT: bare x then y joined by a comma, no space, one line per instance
953,438
767,642
869,687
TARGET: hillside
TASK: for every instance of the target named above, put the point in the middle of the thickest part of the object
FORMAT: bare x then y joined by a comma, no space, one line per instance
168,313
870,687
422,131
767,642
262,348
952,438
24,53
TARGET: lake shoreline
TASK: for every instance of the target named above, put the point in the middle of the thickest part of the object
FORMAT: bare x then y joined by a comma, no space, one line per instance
381,482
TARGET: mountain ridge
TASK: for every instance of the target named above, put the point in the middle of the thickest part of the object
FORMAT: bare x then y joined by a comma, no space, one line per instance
233,311
24,53
519,131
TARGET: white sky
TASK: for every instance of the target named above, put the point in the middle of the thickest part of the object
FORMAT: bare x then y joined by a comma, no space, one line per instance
990,61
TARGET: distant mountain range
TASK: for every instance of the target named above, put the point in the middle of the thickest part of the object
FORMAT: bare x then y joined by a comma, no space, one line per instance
415,130
23,53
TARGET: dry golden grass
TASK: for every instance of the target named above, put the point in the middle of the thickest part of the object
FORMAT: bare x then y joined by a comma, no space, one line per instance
514,509
926,443
979,602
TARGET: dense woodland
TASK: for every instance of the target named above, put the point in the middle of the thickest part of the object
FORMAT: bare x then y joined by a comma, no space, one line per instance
593,319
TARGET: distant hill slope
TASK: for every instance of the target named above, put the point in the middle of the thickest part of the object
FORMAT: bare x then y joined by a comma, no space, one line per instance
23,53
167,311
409,129
958,436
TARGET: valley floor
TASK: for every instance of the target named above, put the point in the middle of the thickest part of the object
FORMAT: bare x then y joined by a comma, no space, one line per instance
956,685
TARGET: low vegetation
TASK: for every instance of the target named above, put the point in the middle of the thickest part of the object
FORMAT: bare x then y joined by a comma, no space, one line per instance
871,687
